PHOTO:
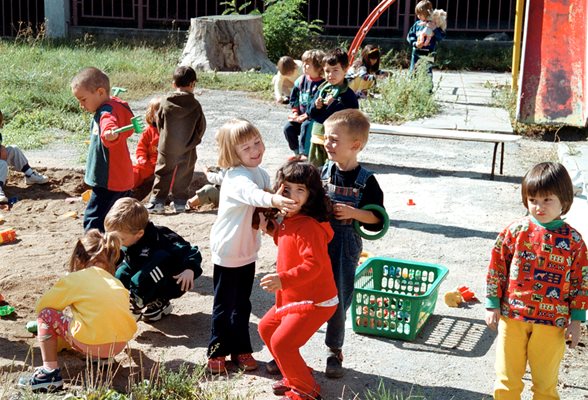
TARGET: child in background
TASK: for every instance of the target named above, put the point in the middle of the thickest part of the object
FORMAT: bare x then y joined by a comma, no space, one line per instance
423,11
297,129
146,153
181,124
362,75
14,157
332,96
306,295
158,264
99,323
537,282
234,243
109,170
288,71
350,187
209,193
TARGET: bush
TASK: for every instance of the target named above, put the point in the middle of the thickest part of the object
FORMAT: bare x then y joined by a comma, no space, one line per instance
286,30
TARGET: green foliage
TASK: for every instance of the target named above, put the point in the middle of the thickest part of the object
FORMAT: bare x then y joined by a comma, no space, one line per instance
232,7
286,30
402,98
384,393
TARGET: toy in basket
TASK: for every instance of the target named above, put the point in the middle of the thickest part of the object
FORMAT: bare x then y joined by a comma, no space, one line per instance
394,298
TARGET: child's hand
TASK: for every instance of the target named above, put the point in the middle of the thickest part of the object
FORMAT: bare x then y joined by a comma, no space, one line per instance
284,204
329,100
492,317
344,211
293,116
319,103
109,135
3,153
301,118
573,332
141,161
185,280
271,283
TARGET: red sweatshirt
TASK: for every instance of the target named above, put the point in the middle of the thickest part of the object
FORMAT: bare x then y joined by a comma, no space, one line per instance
303,263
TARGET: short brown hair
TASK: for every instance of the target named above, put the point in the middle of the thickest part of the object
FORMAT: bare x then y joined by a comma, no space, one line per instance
424,8
184,76
336,56
91,79
126,215
286,65
152,108
229,136
314,57
96,249
356,123
548,178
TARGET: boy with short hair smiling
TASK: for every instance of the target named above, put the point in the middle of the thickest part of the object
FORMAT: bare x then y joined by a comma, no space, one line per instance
158,264
109,170
332,95
350,187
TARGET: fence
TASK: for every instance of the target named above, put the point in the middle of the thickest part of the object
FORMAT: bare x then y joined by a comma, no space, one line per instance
18,15
340,17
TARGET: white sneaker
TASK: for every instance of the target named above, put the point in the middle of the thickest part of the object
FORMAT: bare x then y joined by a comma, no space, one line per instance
36,179
3,198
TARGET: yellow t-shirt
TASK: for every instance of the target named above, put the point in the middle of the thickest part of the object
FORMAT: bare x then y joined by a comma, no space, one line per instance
99,303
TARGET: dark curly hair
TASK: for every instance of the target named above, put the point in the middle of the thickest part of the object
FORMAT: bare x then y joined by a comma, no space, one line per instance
318,205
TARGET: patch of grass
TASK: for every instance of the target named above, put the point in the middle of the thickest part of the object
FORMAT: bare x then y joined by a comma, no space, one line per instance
260,83
402,98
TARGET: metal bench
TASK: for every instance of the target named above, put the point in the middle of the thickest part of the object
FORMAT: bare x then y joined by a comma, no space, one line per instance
471,136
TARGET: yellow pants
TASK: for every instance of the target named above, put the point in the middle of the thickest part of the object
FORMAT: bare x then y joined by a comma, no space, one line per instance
518,342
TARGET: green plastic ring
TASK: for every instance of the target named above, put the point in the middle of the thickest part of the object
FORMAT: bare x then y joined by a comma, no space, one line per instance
378,235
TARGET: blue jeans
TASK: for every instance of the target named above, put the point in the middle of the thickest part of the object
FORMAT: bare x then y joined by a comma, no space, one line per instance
344,251
231,310
298,136
98,206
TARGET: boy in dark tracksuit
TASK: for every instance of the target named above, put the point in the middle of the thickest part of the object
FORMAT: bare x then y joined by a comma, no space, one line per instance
109,170
158,264
181,125
332,95
350,187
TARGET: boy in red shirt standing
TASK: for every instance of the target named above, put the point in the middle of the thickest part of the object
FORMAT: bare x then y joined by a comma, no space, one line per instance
109,170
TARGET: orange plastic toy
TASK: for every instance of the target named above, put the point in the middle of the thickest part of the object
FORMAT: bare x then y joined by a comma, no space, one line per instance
7,236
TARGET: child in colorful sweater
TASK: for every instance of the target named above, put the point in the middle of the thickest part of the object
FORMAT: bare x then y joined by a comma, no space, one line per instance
537,282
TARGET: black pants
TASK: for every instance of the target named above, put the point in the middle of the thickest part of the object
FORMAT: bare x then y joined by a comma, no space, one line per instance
231,310
98,206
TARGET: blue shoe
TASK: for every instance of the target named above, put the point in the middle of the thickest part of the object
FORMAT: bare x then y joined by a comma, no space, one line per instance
42,380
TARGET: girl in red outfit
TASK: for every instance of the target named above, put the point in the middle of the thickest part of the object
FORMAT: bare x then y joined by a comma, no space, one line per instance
306,295
146,153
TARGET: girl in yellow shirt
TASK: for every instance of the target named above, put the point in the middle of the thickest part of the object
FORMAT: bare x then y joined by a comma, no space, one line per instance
88,325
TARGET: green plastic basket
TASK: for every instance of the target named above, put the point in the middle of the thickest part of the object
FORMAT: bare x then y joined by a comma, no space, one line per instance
394,298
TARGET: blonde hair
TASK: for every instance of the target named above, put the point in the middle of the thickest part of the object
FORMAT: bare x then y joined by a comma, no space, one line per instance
355,122
152,108
126,215
91,79
229,136
96,249
286,65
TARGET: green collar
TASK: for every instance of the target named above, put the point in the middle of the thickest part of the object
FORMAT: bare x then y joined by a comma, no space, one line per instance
555,224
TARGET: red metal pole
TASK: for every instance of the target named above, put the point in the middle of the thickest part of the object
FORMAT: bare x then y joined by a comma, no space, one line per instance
366,26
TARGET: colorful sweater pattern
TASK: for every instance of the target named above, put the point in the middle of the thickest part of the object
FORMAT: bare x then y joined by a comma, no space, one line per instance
538,275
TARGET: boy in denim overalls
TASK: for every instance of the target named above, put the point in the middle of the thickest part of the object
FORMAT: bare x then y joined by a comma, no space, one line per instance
350,187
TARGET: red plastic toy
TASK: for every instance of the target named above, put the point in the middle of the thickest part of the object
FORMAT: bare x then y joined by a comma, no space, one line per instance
466,293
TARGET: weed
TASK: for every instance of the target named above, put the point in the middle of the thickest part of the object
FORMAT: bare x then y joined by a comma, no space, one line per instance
384,393
402,97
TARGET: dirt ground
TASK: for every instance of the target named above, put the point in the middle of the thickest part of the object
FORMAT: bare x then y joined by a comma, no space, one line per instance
456,215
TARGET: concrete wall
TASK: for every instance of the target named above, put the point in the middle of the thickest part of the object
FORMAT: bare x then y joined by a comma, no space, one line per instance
57,14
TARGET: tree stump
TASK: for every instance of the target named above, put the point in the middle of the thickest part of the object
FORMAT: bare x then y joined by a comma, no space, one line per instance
227,43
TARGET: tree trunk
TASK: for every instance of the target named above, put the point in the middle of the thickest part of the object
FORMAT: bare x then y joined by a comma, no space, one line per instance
227,43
